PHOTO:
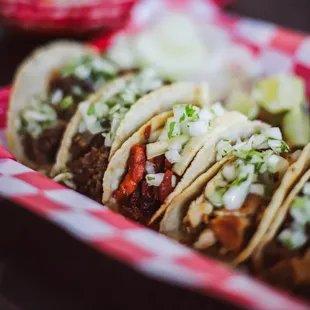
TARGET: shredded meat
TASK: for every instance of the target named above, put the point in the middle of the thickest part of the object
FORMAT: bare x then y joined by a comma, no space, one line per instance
88,172
136,170
139,201
230,231
43,149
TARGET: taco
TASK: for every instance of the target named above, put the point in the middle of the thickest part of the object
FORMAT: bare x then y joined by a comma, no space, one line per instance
147,170
46,91
283,258
104,122
225,212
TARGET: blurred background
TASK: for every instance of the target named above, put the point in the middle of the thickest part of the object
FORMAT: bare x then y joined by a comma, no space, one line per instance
26,24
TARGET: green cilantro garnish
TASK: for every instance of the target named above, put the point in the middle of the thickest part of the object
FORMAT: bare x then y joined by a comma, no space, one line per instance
195,118
171,130
91,109
182,119
149,178
239,180
284,147
66,102
190,111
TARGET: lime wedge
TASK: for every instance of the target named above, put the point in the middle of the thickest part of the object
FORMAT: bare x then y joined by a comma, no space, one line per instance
242,102
280,93
296,127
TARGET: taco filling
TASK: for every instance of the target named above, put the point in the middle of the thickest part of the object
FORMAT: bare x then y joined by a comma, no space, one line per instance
42,123
154,169
221,221
91,145
287,256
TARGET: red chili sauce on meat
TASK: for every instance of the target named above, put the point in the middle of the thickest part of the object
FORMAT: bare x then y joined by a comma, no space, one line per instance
138,200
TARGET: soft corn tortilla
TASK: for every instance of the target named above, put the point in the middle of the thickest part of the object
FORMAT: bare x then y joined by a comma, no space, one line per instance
298,174
230,126
32,78
171,224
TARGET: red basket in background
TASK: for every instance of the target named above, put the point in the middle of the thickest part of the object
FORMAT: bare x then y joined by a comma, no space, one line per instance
65,16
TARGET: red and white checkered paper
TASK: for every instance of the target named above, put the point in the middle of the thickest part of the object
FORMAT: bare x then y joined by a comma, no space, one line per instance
50,16
141,248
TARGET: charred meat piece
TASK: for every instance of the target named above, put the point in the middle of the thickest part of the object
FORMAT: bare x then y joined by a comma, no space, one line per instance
83,142
43,149
230,231
88,172
136,170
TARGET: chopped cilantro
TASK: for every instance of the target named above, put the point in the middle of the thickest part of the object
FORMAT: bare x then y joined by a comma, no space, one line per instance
150,178
66,102
284,147
171,130
258,166
239,180
195,118
91,109
190,111
182,119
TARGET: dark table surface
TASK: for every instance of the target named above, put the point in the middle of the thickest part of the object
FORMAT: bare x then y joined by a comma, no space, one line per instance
27,277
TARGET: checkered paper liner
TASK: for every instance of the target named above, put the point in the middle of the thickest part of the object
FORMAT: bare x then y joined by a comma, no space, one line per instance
145,250
70,17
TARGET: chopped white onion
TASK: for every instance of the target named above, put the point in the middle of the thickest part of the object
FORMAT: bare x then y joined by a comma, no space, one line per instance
108,139
292,239
36,116
306,189
235,196
275,145
205,114
218,109
197,128
57,96
273,133
259,142
223,148
276,163
173,156
150,167
175,146
229,172
101,109
82,72
115,122
154,179
173,181
178,111
257,189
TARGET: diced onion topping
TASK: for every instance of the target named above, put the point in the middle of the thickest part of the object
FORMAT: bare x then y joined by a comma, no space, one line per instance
173,156
35,118
229,172
173,181
154,179
111,110
292,239
150,167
